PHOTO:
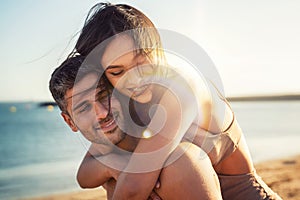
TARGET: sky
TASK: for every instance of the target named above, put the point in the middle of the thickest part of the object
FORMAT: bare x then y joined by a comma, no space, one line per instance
255,44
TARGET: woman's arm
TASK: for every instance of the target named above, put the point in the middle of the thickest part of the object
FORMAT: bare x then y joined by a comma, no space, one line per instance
150,154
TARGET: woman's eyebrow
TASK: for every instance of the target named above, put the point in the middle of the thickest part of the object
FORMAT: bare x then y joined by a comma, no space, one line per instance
113,67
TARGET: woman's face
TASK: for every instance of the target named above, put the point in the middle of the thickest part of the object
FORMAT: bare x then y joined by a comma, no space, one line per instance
128,71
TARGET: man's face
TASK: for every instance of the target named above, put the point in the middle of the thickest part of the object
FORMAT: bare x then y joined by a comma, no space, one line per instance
88,109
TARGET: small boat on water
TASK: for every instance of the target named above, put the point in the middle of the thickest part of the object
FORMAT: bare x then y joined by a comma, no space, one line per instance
46,104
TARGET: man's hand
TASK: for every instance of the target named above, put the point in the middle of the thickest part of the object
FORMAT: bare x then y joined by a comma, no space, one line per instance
157,185
109,186
154,195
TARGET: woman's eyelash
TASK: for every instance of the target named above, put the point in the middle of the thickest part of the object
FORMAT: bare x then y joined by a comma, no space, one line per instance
116,73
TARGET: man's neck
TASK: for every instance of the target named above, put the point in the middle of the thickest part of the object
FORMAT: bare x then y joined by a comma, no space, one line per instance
129,143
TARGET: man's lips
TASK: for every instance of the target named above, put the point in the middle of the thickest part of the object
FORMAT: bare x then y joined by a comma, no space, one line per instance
108,126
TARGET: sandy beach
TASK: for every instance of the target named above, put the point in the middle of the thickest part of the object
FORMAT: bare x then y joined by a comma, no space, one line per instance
283,176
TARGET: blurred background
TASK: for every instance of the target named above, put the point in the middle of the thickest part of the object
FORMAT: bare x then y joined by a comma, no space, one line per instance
255,46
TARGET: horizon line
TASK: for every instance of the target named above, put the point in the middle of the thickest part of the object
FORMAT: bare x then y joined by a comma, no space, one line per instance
269,97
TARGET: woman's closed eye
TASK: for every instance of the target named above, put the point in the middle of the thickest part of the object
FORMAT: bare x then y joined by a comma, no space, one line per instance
115,73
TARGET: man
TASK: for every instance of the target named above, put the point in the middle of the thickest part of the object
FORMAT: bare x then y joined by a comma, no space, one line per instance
88,106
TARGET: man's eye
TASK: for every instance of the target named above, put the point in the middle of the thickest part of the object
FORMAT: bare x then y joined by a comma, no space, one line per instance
84,108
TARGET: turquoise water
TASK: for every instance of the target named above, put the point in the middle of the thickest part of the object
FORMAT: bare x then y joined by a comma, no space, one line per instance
40,155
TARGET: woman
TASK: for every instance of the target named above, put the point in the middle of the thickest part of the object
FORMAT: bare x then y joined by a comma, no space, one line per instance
74,86
127,45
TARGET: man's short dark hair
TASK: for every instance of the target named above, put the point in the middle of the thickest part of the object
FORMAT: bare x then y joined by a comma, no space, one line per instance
63,78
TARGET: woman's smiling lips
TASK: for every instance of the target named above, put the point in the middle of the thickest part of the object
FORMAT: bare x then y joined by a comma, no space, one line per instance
137,91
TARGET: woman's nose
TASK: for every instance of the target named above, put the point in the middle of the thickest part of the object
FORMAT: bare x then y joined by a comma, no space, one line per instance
133,77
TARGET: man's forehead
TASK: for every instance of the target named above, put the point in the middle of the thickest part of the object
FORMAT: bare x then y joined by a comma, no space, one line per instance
88,82
85,88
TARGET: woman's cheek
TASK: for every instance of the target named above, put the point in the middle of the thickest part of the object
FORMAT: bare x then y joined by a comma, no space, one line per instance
112,80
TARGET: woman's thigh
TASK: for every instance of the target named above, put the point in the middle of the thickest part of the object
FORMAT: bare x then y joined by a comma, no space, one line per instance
189,175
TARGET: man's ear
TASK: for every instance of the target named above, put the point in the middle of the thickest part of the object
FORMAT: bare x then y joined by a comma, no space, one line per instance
69,121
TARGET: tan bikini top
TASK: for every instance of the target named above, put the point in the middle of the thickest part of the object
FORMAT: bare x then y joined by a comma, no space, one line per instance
218,146
227,141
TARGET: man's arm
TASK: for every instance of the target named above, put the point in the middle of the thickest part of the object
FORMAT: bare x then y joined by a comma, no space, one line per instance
92,173
96,168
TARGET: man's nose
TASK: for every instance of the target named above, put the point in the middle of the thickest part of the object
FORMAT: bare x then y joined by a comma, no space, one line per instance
100,110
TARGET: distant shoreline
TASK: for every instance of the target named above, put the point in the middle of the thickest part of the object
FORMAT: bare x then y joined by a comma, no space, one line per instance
291,97
288,97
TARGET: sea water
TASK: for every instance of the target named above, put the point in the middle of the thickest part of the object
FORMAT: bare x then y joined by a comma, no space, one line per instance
271,128
40,154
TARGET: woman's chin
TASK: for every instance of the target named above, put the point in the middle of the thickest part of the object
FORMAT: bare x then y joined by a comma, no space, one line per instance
144,98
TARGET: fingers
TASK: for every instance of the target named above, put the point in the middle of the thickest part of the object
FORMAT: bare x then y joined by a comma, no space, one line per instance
105,186
154,196
157,185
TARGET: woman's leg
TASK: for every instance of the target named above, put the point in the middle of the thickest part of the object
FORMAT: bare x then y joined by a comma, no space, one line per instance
187,175
191,176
